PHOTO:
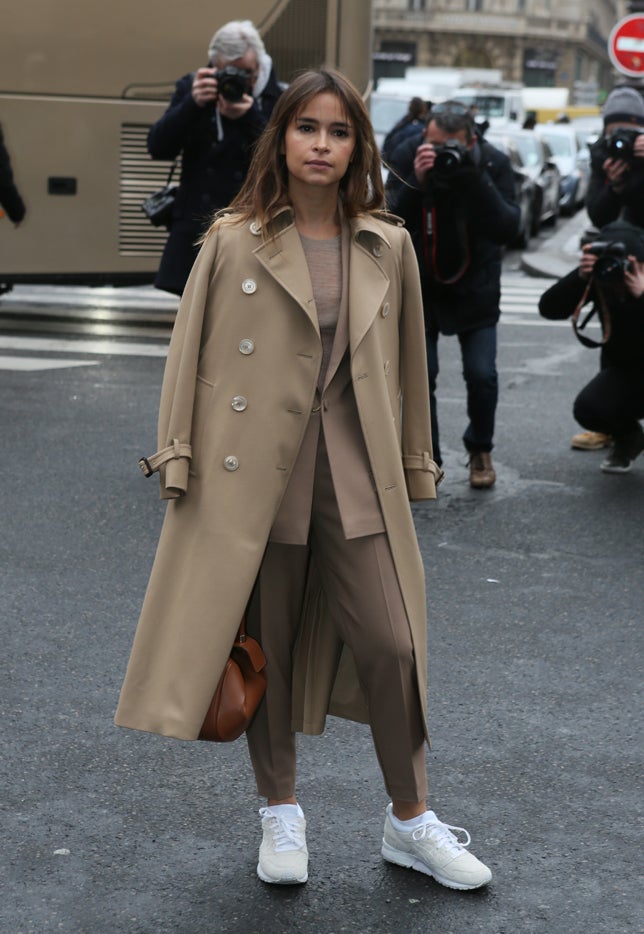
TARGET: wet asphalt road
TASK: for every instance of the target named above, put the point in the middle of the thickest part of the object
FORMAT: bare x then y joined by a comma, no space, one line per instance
535,595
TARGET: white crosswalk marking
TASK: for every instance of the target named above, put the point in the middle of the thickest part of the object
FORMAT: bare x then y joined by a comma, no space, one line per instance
96,347
520,296
31,364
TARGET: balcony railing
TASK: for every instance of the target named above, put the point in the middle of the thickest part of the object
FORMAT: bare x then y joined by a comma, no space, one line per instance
483,24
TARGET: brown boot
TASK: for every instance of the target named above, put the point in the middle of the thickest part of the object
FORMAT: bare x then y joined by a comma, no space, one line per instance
482,475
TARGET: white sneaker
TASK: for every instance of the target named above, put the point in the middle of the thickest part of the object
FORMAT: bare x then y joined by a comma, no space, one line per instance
283,856
433,849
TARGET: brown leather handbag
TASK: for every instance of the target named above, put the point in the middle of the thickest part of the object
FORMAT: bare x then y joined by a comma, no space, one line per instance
239,692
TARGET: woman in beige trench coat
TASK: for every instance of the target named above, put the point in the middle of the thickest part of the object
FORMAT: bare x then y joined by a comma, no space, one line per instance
293,431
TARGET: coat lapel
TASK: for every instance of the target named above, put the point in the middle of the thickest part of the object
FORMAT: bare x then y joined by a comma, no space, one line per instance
368,282
283,258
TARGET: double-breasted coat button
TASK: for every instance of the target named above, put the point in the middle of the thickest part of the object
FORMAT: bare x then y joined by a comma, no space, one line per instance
384,311
231,463
239,403
255,228
249,286
377,249
246,346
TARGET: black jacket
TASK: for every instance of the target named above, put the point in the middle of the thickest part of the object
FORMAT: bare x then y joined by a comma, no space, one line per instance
9,195
625,346
471,219
603,203
212,169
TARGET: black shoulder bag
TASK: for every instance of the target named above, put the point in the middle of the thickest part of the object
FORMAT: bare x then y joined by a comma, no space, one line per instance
158,206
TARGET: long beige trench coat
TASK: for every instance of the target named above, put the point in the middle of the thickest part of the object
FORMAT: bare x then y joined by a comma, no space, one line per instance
239,384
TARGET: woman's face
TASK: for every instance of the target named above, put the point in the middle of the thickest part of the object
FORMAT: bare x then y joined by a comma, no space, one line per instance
319,143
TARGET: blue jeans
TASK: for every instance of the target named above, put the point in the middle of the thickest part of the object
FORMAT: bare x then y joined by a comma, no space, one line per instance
478,353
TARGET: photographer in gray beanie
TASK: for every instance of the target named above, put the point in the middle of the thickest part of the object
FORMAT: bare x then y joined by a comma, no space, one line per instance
617,180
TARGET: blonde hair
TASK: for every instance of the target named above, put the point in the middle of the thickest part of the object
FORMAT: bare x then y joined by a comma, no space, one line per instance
265,190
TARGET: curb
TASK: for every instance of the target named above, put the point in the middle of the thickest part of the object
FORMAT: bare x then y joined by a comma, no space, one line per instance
561,254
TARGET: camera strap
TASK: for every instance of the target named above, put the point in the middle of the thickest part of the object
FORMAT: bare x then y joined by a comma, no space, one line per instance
431,248
599,308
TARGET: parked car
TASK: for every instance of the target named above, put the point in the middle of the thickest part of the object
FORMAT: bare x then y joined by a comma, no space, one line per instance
573,161
524,186
537,160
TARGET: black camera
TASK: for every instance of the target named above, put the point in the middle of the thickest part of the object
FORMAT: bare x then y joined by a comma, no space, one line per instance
449,157
233,83
621,142
612,259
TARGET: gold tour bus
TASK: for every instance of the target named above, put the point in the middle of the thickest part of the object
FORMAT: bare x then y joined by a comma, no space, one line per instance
81,82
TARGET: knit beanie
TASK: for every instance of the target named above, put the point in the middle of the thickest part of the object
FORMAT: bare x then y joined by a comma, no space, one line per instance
624,232
624,105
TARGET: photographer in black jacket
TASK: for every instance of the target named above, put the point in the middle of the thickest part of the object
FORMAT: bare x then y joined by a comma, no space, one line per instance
455,192
215,116
611,276
616,186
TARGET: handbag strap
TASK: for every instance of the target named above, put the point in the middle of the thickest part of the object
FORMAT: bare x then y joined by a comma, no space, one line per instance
173,169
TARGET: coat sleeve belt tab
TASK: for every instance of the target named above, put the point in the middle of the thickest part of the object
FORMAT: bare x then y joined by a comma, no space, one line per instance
174,451
423,462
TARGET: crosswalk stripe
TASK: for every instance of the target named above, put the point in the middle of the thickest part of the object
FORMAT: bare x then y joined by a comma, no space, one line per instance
97,347
520,301
31,364
520,296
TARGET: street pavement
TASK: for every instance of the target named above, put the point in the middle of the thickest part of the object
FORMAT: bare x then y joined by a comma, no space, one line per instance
535,594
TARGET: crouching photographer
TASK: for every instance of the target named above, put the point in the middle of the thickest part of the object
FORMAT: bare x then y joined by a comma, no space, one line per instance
616,186
455,192
610,279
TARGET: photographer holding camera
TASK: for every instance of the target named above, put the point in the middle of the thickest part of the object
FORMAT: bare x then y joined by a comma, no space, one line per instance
617,179
214,119
455,192
611,275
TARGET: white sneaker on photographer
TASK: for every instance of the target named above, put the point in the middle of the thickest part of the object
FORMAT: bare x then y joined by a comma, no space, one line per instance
432,848
283,856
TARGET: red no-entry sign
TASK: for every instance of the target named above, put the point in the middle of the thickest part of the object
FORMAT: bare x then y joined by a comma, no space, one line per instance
626,45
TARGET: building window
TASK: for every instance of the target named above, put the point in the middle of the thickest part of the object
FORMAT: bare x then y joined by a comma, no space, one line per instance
417,5
474,6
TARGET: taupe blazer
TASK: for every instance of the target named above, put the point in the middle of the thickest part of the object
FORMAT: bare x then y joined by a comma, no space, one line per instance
336,413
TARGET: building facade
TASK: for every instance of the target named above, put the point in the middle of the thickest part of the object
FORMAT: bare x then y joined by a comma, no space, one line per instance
538,43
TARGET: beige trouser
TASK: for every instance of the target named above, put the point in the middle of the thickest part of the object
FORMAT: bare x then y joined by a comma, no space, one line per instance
364,600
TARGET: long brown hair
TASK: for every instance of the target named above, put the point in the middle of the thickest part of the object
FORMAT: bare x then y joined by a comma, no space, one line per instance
265,190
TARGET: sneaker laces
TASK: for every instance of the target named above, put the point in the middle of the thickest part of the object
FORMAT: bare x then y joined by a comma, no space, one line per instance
287,832
441,834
